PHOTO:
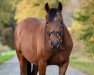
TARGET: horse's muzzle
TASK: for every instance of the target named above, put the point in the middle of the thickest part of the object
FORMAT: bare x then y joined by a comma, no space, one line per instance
55,44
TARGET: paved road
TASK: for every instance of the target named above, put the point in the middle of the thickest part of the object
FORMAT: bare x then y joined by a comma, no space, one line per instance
11,68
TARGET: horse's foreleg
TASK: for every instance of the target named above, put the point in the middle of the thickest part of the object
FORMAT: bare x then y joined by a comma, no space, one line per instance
35,70
63,67
42,67
22,64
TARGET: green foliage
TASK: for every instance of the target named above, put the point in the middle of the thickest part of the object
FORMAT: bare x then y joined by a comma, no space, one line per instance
85,16
6,56
87,34
83,64
33,8
7,21
7,37
81,17
6,10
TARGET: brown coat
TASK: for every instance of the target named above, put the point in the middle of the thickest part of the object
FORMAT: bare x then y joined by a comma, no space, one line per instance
31,43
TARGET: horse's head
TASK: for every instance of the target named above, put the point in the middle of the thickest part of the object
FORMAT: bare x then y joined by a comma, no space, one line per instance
54,25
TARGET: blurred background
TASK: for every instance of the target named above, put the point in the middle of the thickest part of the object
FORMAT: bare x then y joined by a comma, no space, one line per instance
78,16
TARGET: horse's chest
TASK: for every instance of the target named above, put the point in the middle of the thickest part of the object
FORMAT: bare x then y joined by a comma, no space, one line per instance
57,58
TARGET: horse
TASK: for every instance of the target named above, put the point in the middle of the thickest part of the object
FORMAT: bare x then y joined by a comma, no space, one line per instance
43,42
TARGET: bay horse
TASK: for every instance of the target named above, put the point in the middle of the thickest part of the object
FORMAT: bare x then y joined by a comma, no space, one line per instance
43,42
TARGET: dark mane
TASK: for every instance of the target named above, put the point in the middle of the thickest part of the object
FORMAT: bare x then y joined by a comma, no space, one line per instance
52,14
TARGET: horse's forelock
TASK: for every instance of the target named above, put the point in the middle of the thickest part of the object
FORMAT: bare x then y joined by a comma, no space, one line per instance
52,14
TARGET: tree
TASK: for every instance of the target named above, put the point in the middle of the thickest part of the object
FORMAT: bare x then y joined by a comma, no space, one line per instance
7,21
85,16
33,8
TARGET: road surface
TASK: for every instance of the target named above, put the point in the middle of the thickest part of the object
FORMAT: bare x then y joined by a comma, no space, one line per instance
11,67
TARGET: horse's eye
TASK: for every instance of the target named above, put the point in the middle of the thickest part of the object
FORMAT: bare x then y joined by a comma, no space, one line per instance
59,33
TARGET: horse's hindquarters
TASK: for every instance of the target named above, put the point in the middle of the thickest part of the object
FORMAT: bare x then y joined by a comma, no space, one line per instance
28,32
28,49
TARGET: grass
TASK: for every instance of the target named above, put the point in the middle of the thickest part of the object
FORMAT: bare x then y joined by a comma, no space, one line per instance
6,56
83,64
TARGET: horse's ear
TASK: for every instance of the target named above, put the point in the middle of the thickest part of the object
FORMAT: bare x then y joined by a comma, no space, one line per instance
47,7
60,7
